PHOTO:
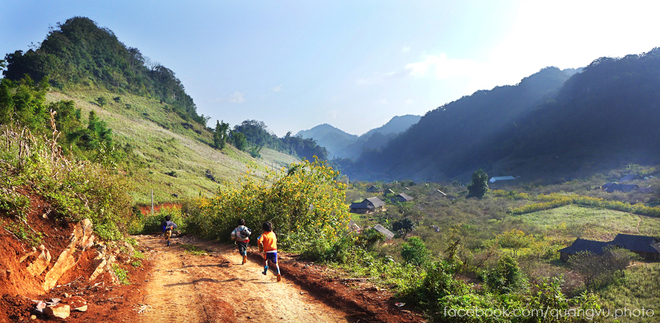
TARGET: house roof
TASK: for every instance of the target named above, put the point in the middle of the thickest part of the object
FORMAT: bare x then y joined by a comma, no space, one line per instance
384,231
376,202
592,246
637,243
501,178
373,188
627,241
406,197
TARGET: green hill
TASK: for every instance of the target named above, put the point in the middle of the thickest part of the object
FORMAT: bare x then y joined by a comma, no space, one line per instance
80,55
164,143
143,123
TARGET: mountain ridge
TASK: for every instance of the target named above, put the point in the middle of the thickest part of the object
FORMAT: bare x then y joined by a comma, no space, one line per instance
341,144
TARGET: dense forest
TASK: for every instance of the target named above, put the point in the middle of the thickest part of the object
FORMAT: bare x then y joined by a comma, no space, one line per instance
613,105
79,54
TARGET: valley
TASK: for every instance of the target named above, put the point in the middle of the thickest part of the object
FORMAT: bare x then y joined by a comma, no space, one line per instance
541,195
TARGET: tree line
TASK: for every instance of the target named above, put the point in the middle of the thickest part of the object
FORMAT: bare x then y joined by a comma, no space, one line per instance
253,135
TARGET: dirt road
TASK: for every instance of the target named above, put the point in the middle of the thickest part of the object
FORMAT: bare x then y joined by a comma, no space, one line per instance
216,287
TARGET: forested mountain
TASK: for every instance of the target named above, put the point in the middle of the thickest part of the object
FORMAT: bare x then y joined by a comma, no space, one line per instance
379,137
343,145
607,113
333,139
446,141
613,106
79,54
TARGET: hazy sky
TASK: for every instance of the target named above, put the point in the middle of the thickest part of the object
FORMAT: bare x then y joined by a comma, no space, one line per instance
352,64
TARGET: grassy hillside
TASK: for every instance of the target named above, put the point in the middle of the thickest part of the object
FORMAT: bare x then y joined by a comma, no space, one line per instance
164,143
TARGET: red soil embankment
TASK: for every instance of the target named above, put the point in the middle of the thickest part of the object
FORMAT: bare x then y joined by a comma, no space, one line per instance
146,209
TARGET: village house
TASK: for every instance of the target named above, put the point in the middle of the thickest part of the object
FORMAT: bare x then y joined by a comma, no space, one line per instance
403,197
374,189
646,247
368,205
387,233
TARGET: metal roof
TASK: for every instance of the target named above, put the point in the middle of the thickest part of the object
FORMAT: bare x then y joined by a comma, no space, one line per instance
592,246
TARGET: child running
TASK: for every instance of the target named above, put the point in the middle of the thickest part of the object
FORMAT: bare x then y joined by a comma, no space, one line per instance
241,234
168,226
268,241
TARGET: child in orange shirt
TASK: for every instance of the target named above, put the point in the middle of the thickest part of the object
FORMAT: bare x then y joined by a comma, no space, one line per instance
268,241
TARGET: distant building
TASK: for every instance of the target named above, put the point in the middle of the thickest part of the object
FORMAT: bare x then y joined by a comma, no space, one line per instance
645,246
374,189
403,197
368,205
387,233
579,245
501,178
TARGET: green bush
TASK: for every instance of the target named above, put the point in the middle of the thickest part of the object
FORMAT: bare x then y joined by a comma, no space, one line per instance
506,276
414,251
75,189
122,274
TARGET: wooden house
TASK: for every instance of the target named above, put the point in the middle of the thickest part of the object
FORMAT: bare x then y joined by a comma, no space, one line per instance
387,233
403,197
374,189
368,205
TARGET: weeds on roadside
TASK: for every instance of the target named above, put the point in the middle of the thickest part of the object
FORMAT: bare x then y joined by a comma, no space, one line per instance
122,274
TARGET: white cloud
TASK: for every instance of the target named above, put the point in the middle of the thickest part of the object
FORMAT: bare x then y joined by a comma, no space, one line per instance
383,101
277,88
237,97
405,49
409,101
442,67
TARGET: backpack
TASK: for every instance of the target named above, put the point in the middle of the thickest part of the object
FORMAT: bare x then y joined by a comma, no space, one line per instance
242,233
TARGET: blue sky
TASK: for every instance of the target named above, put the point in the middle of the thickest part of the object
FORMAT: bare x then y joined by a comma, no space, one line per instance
352,64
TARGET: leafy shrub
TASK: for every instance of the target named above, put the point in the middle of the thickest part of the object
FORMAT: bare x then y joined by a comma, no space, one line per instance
121,273
414,251
506,276
304,203
75,189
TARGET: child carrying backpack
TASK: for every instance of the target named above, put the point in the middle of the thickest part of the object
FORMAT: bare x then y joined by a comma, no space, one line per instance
242,237
168,226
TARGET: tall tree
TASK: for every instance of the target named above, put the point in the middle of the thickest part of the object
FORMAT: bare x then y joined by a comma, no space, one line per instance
220,134
479,185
